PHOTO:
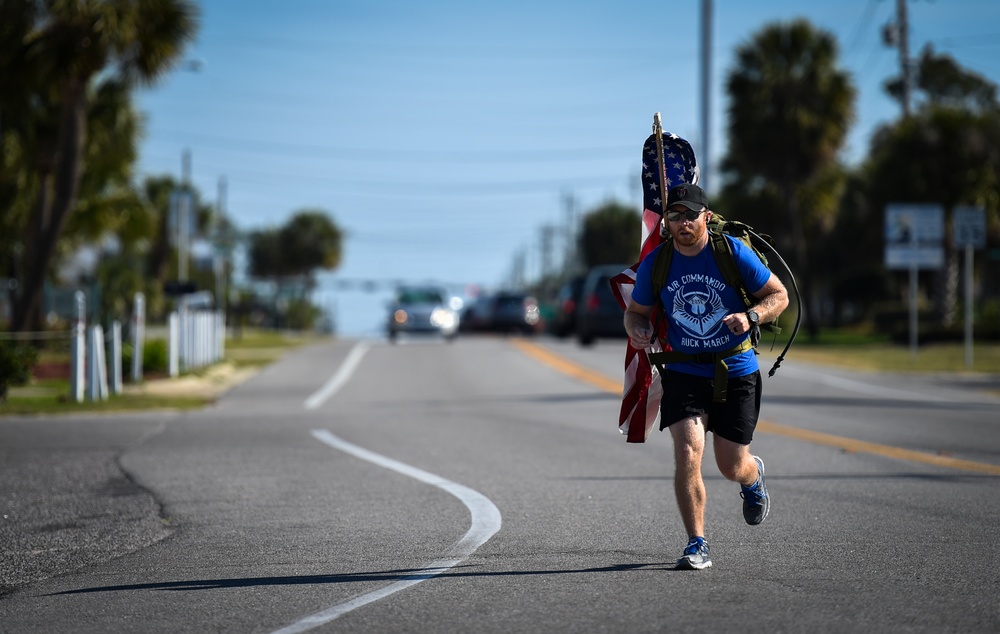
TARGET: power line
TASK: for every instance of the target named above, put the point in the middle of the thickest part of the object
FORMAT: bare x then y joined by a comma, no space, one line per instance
964,41
396,188
863,26
453,51
379,155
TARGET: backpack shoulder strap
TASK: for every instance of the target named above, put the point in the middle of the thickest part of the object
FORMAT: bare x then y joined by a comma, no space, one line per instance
722,249
726,261
661,268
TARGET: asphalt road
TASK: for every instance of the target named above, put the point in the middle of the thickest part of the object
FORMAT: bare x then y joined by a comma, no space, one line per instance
432,487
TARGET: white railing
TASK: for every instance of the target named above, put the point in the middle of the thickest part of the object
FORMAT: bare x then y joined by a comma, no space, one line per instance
196,337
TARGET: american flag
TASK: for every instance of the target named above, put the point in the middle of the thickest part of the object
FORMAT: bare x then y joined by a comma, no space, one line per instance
642,391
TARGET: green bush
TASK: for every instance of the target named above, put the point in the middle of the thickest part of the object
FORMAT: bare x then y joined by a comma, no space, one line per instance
154,355
16,362
301,314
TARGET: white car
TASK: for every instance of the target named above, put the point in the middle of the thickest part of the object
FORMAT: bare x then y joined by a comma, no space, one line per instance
422,310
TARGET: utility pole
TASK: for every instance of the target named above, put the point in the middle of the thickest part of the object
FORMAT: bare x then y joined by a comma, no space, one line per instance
222,191
635,189
896,34
545,246
518,269
706,88
184,203
569,207
904,53
220,260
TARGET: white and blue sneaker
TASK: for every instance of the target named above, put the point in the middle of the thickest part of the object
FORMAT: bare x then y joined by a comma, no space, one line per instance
695,555
756,504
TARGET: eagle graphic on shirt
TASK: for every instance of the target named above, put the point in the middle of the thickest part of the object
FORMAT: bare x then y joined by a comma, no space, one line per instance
698,312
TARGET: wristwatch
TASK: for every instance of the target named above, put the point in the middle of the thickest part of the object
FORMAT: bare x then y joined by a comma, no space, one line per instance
753,317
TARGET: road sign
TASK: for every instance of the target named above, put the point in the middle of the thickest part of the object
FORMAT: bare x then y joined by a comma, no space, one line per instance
914,236
970,227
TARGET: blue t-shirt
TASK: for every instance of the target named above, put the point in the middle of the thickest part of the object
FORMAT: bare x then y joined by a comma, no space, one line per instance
695,299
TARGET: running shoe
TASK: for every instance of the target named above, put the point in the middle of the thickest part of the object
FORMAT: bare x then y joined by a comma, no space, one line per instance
756,504
695,555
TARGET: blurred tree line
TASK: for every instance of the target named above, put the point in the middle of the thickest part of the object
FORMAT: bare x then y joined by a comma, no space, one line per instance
69,131
69,134
289,256
790,111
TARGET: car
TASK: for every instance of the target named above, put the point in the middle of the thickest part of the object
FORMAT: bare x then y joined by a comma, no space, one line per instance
476,314
418,310
566,306
599,314
504,312
514,311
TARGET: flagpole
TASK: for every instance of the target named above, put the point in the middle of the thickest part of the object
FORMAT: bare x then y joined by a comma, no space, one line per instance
658,132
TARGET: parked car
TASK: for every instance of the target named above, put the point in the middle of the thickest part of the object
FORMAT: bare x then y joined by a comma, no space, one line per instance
515,311
566,306
503,311
422,311
476,314
599,314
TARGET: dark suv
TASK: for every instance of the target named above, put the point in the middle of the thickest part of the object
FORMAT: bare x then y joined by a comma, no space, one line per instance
599,314
514,311
567,306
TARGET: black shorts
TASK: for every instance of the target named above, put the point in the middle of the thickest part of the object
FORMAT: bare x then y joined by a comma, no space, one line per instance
687,395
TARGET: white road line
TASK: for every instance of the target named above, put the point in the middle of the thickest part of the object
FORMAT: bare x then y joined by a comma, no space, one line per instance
341,377
486,522
866,388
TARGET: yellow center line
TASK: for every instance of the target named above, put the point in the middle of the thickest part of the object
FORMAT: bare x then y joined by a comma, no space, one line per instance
566,366
607,384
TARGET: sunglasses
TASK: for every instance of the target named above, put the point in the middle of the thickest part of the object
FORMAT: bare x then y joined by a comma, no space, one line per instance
690,214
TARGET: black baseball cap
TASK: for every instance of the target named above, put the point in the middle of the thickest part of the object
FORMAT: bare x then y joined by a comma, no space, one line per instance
691,196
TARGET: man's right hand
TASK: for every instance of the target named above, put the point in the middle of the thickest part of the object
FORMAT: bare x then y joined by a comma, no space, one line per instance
640,331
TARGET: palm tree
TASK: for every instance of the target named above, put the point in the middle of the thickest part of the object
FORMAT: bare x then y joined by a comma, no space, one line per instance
107,202
17,18
789,113
73,43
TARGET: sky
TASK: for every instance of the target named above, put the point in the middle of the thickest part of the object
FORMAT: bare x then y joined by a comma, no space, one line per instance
444,136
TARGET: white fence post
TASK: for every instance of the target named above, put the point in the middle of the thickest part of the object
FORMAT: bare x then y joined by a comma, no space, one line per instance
102,365
196,337
91,366
220,335
183,337
78,349
116,357
173,344
205,340
138,335
97,376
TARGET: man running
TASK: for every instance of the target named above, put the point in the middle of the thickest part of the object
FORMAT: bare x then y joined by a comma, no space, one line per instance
708,322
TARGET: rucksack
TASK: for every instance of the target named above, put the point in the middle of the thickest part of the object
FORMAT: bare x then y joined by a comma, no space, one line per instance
718,229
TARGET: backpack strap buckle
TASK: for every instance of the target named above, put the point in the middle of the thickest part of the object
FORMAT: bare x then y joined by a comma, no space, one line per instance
718,359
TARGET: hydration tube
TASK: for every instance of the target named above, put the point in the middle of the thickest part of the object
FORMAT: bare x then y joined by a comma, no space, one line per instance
798,299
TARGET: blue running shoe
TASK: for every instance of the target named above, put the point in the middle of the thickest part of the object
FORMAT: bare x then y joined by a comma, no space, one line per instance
695,555
756,504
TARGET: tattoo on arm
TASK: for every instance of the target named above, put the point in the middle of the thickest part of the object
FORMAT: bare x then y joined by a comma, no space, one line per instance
773,301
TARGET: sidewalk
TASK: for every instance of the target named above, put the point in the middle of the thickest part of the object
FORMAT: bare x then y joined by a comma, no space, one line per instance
210,383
